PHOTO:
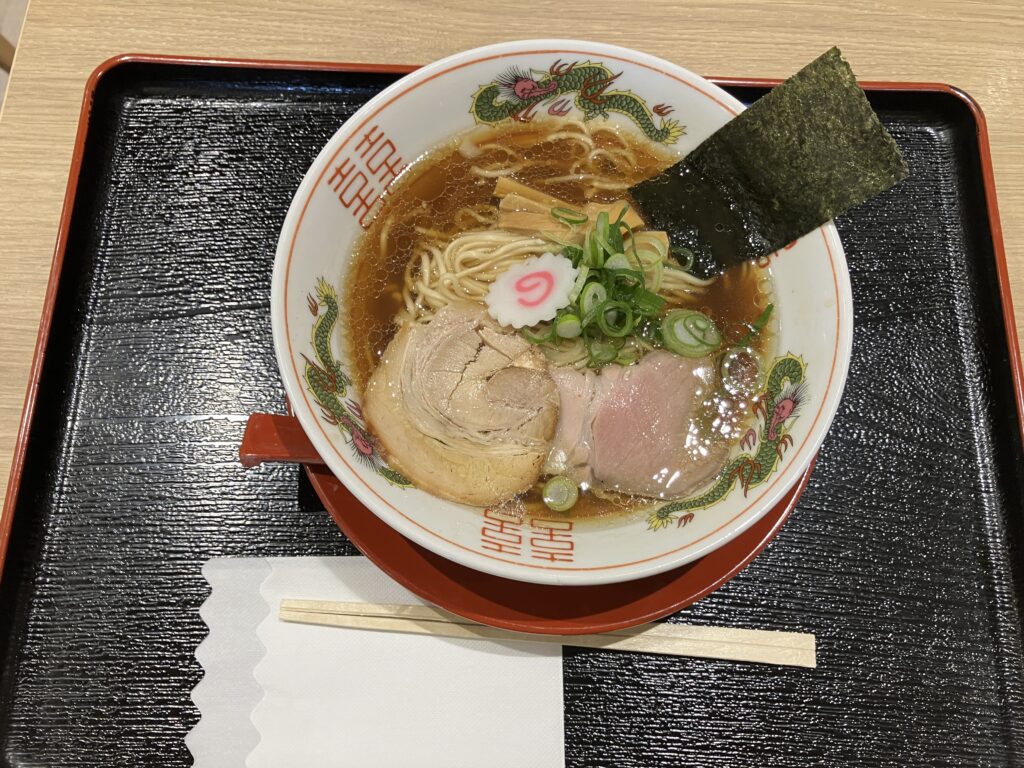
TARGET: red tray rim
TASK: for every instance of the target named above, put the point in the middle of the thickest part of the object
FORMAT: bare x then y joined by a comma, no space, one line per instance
56,267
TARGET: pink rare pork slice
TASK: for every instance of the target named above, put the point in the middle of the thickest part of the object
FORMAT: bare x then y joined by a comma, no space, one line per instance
634,429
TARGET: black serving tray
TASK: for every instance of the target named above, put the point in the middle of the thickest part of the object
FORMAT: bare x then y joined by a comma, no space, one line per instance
903,556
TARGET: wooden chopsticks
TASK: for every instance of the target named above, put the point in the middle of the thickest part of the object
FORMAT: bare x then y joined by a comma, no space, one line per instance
765,647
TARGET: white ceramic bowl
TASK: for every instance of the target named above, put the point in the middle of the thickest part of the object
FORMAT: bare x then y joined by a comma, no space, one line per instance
425,109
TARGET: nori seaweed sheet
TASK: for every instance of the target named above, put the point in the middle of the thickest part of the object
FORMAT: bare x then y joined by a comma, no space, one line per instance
808,150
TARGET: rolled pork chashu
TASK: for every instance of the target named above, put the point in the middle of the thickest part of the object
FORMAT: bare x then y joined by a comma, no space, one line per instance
464,410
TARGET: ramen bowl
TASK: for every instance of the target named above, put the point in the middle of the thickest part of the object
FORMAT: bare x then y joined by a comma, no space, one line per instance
347,185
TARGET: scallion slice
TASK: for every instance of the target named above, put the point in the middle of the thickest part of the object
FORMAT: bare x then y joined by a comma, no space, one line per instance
581,280
685,257
568,216
617,261
647,257
648,331
630,279
647,303
615,318
603,244
573,253
593,256
690,333
757,327
591,296
615,238
560,493
539,334
602,352
653,275
568,326
627,356
647,241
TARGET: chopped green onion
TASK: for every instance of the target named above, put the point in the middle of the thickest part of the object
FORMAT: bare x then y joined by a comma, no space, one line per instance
757,327
614,308
592,253
568,216
581,280
649,331
602,242
602,352
615,318
617,261
573,253
653,275
539,334
742,373
593,294
601,233
689,333
615,237
560,493
685,257
568,326
647,241
647,257
647,303
627,356
630,279
642,344
635,260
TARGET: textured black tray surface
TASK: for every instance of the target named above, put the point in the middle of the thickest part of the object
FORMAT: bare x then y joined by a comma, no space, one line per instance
901,556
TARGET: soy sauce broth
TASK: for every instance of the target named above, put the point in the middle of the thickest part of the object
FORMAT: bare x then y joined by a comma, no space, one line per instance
433,193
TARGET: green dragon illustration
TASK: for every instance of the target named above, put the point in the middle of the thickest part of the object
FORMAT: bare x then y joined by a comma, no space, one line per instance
776,405
328,383
516,93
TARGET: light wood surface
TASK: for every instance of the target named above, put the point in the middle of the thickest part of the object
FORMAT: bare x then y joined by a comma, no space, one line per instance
973,45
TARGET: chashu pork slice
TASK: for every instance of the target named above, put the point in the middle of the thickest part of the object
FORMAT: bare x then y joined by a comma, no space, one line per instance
463,409
574,436
645,428
633,429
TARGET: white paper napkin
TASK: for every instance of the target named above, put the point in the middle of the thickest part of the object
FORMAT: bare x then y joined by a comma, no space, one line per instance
228,693
338,697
